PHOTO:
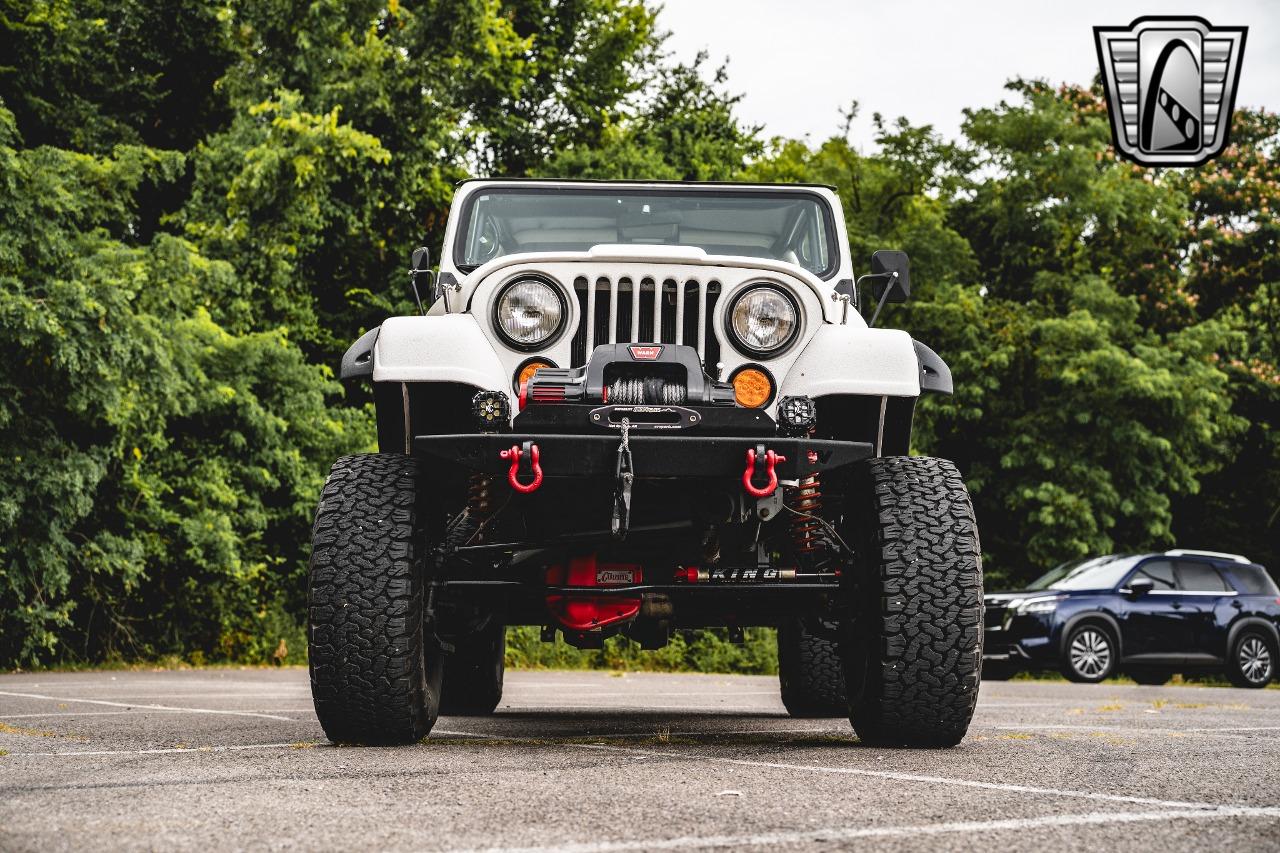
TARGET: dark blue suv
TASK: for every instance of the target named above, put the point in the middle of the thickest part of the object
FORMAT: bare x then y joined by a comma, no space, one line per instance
1146,615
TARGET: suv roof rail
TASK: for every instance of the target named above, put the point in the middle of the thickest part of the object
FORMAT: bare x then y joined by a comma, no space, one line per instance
1189,552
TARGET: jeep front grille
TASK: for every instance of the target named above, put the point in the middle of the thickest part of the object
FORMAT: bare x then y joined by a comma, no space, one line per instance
668,311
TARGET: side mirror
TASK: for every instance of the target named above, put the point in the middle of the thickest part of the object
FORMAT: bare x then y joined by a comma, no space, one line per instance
892,269
420,264
1139,587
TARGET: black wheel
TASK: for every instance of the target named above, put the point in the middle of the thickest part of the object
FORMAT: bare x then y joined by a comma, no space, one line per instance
473,674
1253,660
915,642
998,671
375,679
810,672
1090,655
1150,675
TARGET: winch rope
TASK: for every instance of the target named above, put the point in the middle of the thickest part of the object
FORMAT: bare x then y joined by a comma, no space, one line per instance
631,391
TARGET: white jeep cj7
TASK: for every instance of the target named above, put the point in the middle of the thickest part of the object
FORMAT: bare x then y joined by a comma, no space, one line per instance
639,408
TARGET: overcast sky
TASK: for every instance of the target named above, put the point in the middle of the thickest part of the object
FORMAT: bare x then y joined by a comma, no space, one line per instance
798,62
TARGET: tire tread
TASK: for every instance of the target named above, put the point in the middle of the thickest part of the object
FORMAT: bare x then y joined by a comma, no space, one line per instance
371,680
921,675
811,673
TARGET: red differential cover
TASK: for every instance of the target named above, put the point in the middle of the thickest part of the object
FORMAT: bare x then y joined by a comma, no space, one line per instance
584,612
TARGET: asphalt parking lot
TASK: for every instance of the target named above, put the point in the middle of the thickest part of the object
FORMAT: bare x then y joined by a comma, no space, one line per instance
220,759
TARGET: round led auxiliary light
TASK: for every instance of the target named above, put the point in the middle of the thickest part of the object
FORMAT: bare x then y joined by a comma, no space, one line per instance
491,411
529,313
763,320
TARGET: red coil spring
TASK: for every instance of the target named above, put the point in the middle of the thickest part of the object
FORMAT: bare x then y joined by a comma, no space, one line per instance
806,498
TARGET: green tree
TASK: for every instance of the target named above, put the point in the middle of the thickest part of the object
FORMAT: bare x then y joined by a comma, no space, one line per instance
160,470
87,75
1090,407
682,128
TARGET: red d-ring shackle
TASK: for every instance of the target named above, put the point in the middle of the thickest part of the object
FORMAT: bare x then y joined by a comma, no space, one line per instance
514,471
771,459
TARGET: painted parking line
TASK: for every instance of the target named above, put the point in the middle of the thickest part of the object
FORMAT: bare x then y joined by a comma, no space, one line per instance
145,710
255,695
151,707
681,755
1225,731
172,750
838,834
909,777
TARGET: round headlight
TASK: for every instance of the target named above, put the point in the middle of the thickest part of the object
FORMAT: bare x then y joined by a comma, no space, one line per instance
529,312
763,320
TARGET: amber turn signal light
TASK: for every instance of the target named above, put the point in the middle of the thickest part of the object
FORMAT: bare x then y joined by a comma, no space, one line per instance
752,387
526,371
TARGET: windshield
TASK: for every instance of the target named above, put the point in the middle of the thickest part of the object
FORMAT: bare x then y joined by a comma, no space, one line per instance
786,225
1091,573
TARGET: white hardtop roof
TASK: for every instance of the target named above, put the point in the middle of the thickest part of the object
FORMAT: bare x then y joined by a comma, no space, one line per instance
694,185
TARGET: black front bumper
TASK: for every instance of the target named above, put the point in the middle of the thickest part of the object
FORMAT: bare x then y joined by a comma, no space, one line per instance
655,456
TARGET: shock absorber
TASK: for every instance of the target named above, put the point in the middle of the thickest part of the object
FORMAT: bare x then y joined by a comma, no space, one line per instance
807,499
467,526
798,416
478,499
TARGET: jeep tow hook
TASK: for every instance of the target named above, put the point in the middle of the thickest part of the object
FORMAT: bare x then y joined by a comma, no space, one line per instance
513,473
771,460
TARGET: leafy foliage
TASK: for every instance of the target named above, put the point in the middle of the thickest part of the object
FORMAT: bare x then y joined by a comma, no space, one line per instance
160,469
201,204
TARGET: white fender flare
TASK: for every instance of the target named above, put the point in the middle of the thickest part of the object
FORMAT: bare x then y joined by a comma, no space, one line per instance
445,348
848,359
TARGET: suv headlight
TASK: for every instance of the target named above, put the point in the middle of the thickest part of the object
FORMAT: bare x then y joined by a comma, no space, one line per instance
1039,605
763,320
529,312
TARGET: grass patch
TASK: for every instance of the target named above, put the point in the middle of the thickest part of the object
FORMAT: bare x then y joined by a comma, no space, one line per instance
707,650
24,731
6,729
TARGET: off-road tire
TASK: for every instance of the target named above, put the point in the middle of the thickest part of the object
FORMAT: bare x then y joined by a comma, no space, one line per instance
915,642
1152,676
1235,670
473,673
375,678
810,672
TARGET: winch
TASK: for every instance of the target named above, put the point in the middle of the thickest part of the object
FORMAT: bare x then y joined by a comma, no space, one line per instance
630,374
